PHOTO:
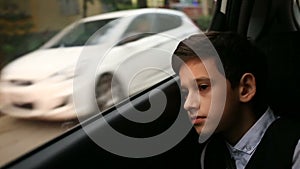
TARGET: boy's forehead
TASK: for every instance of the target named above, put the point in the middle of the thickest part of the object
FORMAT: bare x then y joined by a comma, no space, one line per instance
193,68
207,63
201,67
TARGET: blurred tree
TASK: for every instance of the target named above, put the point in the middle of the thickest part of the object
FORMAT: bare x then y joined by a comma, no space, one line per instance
116,5
14,25
204,21
15,32
84,7
109,5
166,4
142,4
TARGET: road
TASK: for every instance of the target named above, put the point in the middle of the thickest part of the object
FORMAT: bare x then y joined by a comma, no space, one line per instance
18,136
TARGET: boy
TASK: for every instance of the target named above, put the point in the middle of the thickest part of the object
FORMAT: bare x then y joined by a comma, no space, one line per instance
244,132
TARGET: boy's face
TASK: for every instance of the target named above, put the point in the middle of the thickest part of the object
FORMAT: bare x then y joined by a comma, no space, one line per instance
209,99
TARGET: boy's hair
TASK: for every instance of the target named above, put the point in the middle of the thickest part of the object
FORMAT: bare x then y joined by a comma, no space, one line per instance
237,54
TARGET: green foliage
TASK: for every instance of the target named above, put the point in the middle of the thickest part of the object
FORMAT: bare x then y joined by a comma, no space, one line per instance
20,44
116,5
126,6
204,22
14,26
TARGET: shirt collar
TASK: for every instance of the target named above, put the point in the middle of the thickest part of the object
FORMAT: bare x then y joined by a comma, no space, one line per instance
253,136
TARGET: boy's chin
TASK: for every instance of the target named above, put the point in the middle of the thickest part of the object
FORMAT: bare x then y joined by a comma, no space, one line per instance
205,132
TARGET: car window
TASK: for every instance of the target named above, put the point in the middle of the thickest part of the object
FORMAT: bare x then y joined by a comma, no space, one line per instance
103,33
164,22
35,79
149,24
79,35
140,25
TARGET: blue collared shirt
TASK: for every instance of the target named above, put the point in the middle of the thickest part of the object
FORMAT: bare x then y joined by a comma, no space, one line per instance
247,145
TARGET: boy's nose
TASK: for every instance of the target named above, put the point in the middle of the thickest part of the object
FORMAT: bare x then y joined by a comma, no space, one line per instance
192,103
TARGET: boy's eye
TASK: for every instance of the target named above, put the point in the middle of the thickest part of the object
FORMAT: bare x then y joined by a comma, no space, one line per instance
203,87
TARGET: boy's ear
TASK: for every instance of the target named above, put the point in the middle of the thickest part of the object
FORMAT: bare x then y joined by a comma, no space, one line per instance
247,87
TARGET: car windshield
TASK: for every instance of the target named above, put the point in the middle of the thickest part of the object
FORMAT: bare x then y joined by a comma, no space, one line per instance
80,34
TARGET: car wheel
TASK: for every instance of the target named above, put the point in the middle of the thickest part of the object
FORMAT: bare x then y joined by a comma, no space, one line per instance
108,92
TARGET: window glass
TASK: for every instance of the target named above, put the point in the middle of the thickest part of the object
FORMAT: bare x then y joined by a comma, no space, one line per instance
31,74
149,24
296,11
69,7
141,24
164,22
79,35
103,34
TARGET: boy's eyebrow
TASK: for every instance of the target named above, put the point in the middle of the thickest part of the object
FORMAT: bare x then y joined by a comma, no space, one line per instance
202,79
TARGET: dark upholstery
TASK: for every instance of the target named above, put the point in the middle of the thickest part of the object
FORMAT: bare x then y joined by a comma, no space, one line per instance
283,56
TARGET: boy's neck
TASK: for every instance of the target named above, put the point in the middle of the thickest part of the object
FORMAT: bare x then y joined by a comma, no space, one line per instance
243,124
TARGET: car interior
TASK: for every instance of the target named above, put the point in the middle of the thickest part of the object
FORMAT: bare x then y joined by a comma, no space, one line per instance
274,25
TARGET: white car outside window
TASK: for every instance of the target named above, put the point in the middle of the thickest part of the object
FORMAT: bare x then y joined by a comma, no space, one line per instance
129,49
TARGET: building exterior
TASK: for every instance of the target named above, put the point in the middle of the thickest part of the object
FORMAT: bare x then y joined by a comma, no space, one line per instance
54,14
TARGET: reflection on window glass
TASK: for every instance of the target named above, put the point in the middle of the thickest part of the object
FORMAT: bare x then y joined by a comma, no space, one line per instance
149,24
79,35
101,35
46,69
140,25
69,7
166,22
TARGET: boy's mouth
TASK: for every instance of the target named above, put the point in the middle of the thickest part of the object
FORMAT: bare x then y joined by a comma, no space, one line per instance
196,120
